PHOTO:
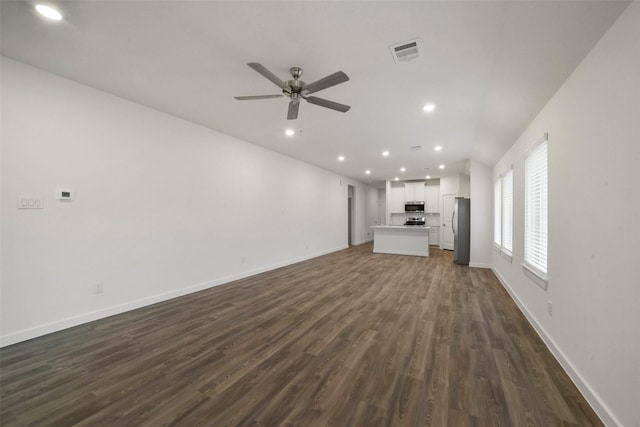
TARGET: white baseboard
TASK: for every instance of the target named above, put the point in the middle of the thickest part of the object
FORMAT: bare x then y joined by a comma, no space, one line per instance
606,416
69,322
479,265
362,242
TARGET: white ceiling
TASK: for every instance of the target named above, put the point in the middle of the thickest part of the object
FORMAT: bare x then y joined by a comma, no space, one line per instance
489,66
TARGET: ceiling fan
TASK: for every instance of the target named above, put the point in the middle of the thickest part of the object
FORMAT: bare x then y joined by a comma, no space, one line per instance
295,89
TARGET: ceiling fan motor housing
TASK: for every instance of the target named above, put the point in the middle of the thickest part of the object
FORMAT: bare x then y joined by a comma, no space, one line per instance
296,89
294,86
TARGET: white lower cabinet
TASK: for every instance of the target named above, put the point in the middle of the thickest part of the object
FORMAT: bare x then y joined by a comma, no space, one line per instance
434,236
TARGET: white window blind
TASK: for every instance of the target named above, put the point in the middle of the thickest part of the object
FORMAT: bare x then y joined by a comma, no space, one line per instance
507,212
535,221
497,212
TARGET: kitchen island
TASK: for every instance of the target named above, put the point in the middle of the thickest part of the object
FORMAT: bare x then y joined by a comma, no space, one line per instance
401,239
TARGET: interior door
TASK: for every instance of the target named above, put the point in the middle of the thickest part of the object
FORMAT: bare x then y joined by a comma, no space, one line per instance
448,204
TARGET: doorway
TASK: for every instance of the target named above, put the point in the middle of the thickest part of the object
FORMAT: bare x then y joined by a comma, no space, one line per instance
349,222
351,194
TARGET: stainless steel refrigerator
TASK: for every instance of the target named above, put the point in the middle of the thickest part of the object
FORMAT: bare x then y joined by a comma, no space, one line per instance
461,224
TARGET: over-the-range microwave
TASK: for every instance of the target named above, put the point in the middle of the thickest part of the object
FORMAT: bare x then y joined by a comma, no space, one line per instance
414,207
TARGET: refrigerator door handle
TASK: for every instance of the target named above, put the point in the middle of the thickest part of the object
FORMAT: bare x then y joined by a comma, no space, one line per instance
453,228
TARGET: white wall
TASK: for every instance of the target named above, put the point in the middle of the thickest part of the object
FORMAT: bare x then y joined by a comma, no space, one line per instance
449,185
594,224
464,182
362,194
371,210
162,207
481,194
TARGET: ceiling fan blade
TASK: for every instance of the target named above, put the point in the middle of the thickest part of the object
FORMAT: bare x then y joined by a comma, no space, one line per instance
292,114
247,98
331,80
328,104
268,74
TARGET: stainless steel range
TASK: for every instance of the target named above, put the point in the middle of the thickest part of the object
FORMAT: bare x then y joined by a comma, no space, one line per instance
414,220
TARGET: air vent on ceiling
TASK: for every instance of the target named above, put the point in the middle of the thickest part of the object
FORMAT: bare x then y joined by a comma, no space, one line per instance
406,51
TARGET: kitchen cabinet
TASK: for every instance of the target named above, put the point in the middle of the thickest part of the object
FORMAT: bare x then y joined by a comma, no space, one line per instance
401,240
432,198
434,236
397,199
414,191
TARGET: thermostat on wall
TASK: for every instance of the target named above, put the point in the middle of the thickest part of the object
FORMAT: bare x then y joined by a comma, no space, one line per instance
64,194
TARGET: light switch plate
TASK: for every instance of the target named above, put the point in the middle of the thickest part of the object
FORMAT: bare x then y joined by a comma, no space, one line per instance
30,202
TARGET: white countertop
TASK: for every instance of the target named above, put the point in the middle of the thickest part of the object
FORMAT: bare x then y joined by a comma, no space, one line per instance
406,227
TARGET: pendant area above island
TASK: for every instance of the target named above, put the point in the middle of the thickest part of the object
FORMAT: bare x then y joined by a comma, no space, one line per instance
401,239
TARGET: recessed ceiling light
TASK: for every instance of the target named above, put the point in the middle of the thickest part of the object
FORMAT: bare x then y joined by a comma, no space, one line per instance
289,132
438,148
48,12
385,153
341,158
403,169
429,107
367,172
396,178
428,176
441,166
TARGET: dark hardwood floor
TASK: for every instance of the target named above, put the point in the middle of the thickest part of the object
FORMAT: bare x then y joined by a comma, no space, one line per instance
348,339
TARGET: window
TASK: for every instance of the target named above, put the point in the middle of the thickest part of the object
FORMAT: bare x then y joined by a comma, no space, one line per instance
503,214
497,213
507,212
535,208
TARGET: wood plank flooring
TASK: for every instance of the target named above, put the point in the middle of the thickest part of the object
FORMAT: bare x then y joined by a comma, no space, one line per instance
348,339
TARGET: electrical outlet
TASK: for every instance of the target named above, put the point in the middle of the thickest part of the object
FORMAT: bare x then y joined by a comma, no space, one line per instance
550,308
98,288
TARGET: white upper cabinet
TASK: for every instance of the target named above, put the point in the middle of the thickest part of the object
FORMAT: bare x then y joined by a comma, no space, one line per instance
432,199
414,191
397,199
